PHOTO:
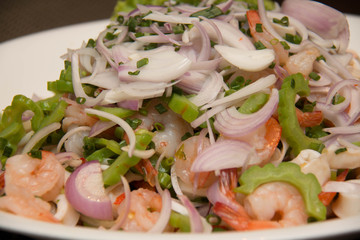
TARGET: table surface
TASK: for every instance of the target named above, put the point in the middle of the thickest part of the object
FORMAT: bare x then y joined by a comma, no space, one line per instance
22,17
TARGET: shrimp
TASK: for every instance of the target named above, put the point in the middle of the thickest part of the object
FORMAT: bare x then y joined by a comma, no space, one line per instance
144,212
25,204
266,38
75,114
272,205
265,139
174,127
307,119
42,177
302,61
186,154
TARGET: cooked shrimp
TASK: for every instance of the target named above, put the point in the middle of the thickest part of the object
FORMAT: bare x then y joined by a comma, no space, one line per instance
266,38
23,203
42,177
174,127
185,155
309,119
75,115
265,139
144,212
302,61
272,205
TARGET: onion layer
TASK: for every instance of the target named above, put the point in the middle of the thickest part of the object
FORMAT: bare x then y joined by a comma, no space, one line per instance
84,189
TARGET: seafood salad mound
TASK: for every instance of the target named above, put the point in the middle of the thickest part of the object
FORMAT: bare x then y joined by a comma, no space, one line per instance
193,116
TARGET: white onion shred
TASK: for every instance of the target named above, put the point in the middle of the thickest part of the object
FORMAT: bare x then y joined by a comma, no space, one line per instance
69,134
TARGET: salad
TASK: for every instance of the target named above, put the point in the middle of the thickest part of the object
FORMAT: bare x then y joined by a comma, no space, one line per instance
193,116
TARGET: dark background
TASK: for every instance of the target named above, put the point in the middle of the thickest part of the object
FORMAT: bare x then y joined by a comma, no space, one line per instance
22,17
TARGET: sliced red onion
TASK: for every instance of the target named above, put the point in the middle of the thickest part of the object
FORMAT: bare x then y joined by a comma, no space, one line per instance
143,9
163,66
205,51
99,127
210,65
122,123
248,60
174,181
43,132
220,39
69,134
27,115
165,212
130,104
239,95
341,187
320,18
156,30
84,189
222,155
209,90
343,130
232,123
194,216
127,201
225,5
339,85
206,115
192,81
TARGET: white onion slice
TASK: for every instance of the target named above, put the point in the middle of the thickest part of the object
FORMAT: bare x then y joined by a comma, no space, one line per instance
209,90
160,17
224,154
127,201
342,187
248,60
84,189
163,66
69,134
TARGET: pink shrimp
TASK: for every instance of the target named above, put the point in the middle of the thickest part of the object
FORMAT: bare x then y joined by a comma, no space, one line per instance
144,212
75,114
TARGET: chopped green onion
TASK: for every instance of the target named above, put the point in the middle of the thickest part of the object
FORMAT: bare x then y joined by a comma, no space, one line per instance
134,73
272,65
285,45
150,46
213,219
340,150
314,76
159,126
91,43
337,99
142,62
167,163
178,29
321,57
80,100
35,154
211,12
186,136
284,21
160,108
258,27
296,39
110,36
259,45
134,123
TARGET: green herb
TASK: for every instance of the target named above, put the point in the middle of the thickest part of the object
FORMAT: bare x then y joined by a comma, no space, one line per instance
258,27
91,43
321,57
80,100
150,46
134,73
160,108
178,29
159,126
284,21
211,12
285,45
35,154
296,39
340,150
142,62
259,45
110,36
314,76
337,99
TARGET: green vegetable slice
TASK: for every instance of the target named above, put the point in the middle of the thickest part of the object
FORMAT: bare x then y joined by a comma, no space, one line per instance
183,106
288,172
291,130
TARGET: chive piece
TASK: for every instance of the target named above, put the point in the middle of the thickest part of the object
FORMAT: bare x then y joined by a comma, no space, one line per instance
167,163
258,27
80,100
159,126
321,57
142,62
178,29
284,21
296,39
143,111
91,43
35,154
337,99
110,36
134,123
314,76
150,46
259,45
211,12
134,73
340,150
272,65
120,19
285,45
160,108
186,136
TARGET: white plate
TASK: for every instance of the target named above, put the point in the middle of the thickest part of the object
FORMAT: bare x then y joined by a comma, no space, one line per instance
27,63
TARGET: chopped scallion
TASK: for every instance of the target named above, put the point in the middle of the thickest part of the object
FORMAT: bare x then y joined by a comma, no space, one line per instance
142,62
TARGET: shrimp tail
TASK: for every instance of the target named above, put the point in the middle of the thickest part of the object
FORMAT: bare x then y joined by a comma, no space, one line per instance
232,217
